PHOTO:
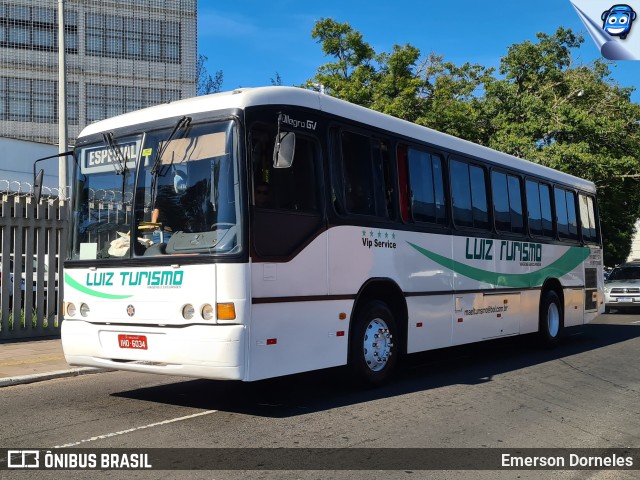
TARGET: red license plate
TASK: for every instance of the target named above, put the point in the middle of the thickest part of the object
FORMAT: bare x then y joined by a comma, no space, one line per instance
138,342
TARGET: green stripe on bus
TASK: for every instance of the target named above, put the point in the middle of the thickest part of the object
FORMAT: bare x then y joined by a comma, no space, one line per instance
563,265
81,288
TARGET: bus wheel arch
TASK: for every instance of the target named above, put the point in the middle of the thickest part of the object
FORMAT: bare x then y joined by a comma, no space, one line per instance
377,331
551,316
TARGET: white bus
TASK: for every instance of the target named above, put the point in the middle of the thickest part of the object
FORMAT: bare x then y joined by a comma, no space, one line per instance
270,231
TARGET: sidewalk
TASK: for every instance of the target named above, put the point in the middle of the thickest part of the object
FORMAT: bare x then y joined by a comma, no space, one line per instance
33,361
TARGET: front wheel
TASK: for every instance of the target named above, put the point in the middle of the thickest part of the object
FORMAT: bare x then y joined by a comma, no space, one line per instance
373,343
551,318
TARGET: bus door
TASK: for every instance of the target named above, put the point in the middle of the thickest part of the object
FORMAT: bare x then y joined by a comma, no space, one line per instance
288,333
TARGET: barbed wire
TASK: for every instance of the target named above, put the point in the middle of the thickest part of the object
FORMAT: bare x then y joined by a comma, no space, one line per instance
18,189
25,189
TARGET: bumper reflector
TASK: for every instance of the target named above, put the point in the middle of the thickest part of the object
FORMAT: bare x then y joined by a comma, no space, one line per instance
226,311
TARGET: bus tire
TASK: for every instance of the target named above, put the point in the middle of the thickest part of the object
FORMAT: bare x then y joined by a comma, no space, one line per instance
551,319
373,351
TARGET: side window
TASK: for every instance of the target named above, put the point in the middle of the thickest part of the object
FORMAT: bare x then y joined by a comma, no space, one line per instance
461,194
426,187
382,168
561,212
500,201
469,195
507,202
566,214
587,219
572,216
539,204
535,211
365,167
515,205
284,188
284,199
546,211
479,197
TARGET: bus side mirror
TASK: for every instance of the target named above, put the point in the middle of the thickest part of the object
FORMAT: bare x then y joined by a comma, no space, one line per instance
37,185
284,150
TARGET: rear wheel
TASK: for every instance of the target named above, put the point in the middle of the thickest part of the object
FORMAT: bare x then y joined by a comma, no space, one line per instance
373,343
551,318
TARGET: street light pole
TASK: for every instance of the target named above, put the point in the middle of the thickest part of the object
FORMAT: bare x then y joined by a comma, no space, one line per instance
62,104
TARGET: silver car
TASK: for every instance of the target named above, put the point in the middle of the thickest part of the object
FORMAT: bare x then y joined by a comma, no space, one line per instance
622,287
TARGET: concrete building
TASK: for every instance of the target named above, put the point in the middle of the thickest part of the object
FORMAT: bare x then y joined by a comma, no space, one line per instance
121,55
16,165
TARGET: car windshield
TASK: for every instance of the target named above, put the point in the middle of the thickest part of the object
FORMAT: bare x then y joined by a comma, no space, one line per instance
162,192
625,273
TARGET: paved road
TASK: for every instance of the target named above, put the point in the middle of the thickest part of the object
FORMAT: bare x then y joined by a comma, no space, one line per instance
501,394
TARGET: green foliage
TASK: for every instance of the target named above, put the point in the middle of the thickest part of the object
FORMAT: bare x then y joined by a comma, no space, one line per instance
542,107
277,81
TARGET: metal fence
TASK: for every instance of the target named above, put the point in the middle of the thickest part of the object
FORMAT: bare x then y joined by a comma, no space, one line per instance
32,249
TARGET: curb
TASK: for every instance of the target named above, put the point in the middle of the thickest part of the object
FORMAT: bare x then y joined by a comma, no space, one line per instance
40,377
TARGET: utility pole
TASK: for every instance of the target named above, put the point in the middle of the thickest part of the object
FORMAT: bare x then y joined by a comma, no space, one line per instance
62,104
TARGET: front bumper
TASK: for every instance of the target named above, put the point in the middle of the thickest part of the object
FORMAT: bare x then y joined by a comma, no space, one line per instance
622,301
201,351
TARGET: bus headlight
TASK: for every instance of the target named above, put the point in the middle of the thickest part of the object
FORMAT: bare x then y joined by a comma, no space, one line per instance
188,311
207,312
71,309
84,309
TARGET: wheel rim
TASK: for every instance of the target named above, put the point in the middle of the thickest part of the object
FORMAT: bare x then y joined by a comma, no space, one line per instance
553,320
377,344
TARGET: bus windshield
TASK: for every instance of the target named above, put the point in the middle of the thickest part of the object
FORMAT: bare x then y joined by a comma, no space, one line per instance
160,192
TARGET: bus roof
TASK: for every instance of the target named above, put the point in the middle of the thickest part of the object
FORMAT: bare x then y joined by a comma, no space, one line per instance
247,97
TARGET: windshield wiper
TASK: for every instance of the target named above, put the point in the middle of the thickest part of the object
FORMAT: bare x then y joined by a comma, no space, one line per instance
121,166
156,170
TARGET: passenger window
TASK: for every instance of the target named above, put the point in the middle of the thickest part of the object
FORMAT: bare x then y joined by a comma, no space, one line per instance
365,178
572,217
561,213
535,211
587,219
507,202
500,201
461,194
469,195
539,203
479,197
545,210
566,214
427,187
515,205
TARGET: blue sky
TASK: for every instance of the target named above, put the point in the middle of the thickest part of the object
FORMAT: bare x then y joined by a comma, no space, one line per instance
251,40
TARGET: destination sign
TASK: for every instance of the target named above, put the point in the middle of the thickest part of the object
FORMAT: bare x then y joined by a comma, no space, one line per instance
105,159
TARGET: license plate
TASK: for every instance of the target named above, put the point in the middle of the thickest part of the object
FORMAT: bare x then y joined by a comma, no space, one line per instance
138,342
625,299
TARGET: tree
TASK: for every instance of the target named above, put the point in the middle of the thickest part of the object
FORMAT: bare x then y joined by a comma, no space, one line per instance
350,76
207,84
430,92
573,118
277,81
543,107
